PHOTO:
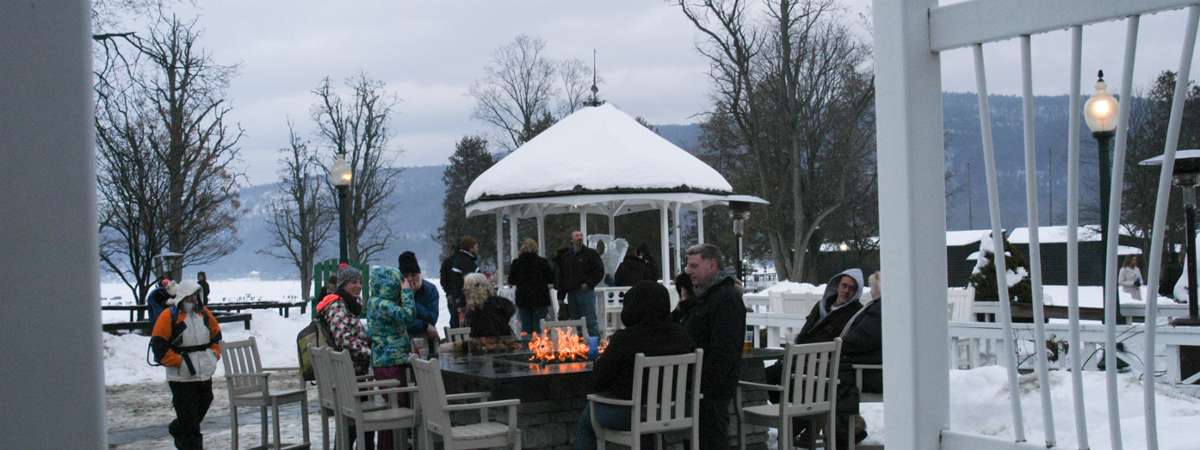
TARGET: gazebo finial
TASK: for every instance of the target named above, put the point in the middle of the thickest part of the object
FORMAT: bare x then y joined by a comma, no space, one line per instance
595,100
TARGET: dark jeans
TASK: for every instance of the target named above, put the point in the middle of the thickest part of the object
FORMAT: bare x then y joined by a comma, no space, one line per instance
714,422
392,373
191,400
609,416
582,303
531,318
452,305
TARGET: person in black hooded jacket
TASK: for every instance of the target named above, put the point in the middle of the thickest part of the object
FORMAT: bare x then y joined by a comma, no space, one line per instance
635,268
532,276
648,330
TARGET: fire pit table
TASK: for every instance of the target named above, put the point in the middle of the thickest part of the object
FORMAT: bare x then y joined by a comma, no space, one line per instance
552,394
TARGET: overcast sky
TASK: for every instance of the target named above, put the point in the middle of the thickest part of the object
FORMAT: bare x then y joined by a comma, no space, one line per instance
428,53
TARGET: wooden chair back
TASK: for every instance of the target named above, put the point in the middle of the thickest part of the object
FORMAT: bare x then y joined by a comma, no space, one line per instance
665,389
432,394
242,358
455,335
580,326
811,378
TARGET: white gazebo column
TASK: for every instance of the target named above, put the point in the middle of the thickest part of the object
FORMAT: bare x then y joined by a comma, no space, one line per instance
541,233
49,222
612,224
678,235
912,224
513,222
583,223
499,247
666,263
700,224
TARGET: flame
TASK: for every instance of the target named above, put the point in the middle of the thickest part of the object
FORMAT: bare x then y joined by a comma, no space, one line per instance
565,346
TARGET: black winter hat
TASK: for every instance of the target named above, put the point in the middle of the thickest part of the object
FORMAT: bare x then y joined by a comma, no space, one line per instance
408,263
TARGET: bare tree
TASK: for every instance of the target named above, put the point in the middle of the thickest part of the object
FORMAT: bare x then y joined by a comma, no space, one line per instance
166,153
522,89
790,86
358,128
300,219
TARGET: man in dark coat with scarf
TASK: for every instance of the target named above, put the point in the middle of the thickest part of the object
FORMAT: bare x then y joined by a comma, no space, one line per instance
716,321
579,271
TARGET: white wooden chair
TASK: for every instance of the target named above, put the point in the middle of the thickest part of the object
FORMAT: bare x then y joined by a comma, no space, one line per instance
808,389
436,409
323,368
612,321
247,382
864,397
671,386
350,395
456,335
579,324
961,302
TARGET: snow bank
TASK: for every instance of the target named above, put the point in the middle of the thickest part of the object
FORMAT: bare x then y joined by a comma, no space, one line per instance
794,287
979,404
228,290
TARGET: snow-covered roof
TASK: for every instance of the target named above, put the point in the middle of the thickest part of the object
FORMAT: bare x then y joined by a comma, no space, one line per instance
963,237
1058,234
1121,251
595,151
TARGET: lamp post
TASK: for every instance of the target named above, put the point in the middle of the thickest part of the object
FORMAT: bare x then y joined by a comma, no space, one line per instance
740,212
1186,175
340,175
1100,113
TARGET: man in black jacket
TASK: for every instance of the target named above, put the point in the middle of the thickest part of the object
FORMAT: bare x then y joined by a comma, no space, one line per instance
579,271
716,321
454,268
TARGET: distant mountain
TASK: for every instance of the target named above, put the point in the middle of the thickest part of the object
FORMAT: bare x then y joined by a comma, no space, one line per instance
419,191
415,217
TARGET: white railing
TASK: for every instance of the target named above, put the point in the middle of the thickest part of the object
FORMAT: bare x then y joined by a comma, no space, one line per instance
909,36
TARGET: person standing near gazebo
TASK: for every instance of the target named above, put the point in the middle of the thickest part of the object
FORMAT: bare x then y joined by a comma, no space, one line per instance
579,270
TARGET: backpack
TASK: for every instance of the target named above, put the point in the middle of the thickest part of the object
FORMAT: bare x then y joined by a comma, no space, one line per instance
315,334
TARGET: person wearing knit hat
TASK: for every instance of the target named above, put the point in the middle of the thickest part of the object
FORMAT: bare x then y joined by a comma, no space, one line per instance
349,286
425,301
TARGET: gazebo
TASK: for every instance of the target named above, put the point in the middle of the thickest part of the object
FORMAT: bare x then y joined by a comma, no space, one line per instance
598,160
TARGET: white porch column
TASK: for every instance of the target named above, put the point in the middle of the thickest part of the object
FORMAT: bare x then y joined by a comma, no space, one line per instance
678,235
912,228
49,229
663,255
499,248
700,224
541,233
612,224
583,223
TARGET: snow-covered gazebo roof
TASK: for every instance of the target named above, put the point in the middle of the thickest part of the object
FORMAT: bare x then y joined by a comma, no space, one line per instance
601,160
598,160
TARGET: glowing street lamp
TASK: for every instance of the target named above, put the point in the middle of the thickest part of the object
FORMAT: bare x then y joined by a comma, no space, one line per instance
1100,113
340,176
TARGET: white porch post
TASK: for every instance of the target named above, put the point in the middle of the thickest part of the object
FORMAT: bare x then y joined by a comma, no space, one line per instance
678,235
499,247
612,224
583,223
49,230
541,233
666,263
912,217
700,223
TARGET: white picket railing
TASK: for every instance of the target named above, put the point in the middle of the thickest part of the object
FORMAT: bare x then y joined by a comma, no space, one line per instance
909,35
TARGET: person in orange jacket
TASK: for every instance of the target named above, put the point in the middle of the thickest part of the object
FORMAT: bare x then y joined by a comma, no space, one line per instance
186,341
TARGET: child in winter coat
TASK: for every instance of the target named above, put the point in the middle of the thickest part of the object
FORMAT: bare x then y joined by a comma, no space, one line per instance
390,314
186,340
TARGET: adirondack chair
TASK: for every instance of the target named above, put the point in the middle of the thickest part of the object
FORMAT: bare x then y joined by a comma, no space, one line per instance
436,409
323,367
351,393
670,402
808,389
247,382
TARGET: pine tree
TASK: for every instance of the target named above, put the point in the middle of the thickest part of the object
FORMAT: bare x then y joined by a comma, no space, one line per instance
983,278
470,159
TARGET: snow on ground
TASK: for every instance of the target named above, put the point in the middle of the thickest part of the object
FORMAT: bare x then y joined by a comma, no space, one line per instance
125,355
979,404
793,287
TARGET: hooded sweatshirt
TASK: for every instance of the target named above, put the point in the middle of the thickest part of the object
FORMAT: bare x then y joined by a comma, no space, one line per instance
826,321
176,330
648,330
